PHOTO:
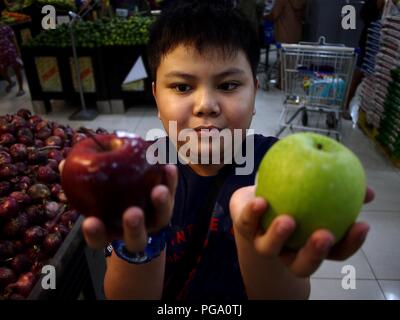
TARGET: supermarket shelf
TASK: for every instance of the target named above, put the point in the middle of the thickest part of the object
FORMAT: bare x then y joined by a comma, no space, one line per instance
372,133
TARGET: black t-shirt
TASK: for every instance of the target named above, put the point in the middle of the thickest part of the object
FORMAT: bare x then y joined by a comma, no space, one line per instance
217,274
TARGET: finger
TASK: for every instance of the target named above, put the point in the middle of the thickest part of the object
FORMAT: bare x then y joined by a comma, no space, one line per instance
240,199
171,173
163,203
135,234
270,243
352,241
310,257
61,166
246,212
94,232
369,195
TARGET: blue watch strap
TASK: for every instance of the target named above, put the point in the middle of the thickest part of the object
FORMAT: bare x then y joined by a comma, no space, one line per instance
155,245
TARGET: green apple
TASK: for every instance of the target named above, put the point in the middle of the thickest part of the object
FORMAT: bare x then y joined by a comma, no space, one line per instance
315,179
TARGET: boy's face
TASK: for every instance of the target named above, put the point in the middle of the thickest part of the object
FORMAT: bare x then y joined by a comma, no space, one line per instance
205,90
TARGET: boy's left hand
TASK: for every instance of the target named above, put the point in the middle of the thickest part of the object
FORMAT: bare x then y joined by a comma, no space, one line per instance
246,212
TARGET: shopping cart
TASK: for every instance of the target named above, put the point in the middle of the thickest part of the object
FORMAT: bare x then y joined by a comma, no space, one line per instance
316,78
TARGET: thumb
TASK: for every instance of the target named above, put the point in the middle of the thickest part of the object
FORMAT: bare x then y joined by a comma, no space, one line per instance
61,166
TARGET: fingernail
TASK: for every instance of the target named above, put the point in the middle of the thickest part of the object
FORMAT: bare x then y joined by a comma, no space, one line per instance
134,221
93,232
164,197
323,246
283,228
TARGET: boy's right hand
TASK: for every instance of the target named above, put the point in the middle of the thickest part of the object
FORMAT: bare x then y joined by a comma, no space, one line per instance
135,232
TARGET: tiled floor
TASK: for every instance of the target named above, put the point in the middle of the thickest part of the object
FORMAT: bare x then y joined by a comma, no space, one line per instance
377,265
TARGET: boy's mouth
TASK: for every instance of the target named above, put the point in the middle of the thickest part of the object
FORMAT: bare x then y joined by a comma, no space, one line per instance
208,131
207,128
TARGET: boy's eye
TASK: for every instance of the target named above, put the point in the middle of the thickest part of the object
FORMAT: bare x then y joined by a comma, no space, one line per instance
229,86
181,88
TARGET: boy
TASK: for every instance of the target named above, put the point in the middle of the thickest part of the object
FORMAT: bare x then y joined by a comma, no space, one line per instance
204,59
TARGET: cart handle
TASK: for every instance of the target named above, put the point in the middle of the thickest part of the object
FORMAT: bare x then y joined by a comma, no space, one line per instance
322,42
320,45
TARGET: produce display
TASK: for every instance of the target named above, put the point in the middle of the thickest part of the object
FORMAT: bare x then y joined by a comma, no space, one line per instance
19,5
35,216
317,180
389,133
101,32
380,88
58,4
105,167
11,18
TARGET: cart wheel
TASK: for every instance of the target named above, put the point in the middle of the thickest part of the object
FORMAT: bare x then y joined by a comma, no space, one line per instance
304,118
331,120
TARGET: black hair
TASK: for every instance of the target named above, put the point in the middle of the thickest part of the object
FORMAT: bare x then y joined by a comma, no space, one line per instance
203,24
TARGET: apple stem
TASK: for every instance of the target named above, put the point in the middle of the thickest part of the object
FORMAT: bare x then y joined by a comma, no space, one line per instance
93,137
319,146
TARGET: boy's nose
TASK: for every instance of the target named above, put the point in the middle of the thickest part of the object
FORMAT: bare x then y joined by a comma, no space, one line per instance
206,104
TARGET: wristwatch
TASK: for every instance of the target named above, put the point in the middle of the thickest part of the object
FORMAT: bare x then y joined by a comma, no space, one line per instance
155,245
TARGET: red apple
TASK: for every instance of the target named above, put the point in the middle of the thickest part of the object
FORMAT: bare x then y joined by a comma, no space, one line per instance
7,139
24,285
7,276
4,188
104,178
5,158
24,113
59,132
18,152
54,141
56,155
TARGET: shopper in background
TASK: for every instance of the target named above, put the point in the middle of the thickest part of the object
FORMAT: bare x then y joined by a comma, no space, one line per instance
203,59
370,12
253,10
10,56
287,16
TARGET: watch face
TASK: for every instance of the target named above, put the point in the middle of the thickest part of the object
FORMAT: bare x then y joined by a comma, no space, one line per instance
155,245
137,257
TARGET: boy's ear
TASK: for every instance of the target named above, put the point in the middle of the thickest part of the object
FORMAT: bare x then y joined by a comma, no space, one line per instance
153,89
257,84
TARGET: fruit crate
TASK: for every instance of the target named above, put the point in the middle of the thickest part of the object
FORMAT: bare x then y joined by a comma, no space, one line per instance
120,61
72,271
51,74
